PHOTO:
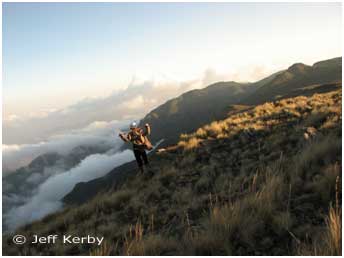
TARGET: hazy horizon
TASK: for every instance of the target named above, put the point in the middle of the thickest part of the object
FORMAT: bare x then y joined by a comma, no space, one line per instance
57,54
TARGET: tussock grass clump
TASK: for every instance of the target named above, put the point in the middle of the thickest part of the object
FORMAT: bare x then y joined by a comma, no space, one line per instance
152,245
333,237
201,133
104,250
330,240
137,243
323,150
190,144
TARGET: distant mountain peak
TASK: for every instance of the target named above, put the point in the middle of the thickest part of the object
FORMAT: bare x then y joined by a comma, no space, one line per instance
298,68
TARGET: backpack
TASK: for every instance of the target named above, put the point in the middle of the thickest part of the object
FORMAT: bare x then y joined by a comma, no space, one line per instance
141,139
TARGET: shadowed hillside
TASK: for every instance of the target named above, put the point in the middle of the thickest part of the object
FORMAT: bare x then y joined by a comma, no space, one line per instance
194,109
264,181
295,77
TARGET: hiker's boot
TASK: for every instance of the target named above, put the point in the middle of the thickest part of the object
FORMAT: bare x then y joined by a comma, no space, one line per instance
141,170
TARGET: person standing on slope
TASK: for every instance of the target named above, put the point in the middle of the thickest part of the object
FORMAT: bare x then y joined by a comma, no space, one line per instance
138,137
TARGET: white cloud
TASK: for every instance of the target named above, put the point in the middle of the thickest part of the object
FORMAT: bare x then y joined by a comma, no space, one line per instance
34,178
55,182
134,103
99,133
140,97
49,193
11,117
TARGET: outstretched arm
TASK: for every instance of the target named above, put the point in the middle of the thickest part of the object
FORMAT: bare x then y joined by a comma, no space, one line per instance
148,129
124,137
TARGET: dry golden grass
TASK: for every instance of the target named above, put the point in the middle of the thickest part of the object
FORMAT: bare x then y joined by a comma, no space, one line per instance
201,133
325,112
330,241
334,226
104,250
133,244
334,232
190,144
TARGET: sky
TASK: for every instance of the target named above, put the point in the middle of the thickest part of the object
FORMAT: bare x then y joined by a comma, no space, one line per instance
56,54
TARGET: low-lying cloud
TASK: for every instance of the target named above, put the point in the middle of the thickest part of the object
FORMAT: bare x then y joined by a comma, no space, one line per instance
49,194
134,102
99,133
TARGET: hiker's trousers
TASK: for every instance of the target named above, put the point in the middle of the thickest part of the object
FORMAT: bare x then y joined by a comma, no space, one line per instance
141,157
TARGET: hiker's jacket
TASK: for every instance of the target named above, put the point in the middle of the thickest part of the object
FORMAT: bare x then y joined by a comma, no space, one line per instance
137,137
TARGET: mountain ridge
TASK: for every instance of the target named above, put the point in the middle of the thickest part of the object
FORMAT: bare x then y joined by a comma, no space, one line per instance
297,76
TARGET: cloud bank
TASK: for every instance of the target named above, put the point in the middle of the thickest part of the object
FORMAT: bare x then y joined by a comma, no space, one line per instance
48,196
99,133
134,102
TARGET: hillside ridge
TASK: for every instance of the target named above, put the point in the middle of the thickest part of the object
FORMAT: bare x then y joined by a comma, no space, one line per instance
259,182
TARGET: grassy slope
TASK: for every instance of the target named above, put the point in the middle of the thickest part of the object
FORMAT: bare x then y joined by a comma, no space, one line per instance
193,109
259,182
196,108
